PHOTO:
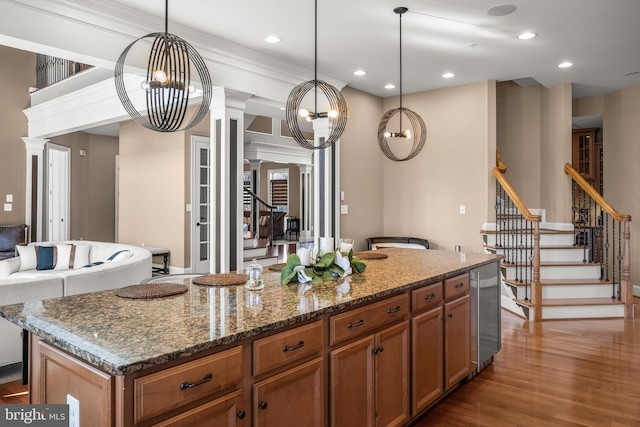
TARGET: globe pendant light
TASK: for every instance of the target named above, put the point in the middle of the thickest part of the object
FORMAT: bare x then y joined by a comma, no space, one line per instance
336,114
168,84
418,129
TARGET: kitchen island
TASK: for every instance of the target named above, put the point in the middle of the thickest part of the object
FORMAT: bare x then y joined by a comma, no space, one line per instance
379,348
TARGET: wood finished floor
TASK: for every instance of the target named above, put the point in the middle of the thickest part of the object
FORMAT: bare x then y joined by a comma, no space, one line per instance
553,373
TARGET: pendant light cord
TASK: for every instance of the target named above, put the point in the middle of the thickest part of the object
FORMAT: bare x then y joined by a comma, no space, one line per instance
315,58
401,131
166,16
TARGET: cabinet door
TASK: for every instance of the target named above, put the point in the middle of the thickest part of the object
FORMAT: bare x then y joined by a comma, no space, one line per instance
351,390
292,398
427,358
457,347
223,412
391,356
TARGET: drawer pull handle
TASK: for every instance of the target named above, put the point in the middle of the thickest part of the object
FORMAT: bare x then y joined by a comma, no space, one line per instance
428,297
393,310
377,350
262,405
185,385
241,414
459,285
355,325
287,348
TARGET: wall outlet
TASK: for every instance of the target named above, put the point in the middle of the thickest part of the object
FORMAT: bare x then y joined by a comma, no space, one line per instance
344,209
8,207
74,411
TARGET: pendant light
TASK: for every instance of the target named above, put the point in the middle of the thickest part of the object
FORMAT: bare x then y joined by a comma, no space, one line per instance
168,85
418,129
336,114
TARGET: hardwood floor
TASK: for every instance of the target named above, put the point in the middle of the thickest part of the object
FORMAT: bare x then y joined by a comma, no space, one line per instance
553,373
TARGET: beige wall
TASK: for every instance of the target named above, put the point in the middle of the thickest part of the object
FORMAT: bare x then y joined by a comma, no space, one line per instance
534,138
92,185
361,169
421,197
17,74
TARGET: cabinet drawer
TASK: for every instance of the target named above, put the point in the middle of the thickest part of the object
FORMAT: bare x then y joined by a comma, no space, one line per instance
174,387
364,319
426,297
456,286
278,350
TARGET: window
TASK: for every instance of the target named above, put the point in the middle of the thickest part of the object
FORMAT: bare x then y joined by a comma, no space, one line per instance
279,189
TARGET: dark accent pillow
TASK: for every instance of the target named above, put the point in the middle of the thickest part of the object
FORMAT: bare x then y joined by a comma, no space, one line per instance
10,236
46,257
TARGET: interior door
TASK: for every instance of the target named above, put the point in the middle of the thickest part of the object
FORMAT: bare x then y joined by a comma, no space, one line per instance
200,204
58,182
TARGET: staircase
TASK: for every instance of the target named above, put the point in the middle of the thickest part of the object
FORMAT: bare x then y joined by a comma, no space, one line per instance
571,286
257,249
562,271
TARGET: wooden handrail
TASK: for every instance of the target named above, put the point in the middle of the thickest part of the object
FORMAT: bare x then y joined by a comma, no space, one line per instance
591,192
514,196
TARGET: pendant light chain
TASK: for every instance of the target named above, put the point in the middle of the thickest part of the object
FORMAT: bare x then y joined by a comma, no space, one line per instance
401,71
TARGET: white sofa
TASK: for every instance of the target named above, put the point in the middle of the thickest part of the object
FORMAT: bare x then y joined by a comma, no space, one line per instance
130,267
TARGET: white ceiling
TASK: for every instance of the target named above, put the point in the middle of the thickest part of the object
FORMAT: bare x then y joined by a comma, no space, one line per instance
602,39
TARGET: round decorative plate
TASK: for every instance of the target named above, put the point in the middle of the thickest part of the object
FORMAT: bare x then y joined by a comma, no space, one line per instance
371,255
152,290
223,279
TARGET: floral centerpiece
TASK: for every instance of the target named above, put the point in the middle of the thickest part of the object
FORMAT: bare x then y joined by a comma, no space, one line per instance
326,267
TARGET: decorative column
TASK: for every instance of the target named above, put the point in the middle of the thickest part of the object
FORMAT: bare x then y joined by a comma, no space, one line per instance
34,185
227,158
306,201
326,182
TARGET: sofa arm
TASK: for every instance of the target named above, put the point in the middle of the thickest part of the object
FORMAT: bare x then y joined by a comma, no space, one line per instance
9,266
397,241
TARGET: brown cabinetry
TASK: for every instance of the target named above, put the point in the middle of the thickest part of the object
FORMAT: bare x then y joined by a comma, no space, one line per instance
370,376
586,156
457,330
224,411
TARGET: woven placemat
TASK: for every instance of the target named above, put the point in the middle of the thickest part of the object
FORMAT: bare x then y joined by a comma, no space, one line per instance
277,267
224,279
371,255
152,290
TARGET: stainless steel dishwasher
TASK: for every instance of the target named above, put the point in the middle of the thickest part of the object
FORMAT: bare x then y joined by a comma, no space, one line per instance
486,331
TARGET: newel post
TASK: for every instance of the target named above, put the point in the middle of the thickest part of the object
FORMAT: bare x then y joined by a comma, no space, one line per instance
536,288
626,285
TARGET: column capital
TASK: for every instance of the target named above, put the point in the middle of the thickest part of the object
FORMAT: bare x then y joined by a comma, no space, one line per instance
34,144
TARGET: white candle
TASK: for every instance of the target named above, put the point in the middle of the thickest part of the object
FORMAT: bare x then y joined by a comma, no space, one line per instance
305,256
345,247
326,245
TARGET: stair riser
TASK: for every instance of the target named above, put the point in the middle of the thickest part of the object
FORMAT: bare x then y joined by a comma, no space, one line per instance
547,254
569,291
254,252
545,240
583,312
591,272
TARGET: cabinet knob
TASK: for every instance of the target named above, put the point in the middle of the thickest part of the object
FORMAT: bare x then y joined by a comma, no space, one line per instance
262,405
240,414
450,315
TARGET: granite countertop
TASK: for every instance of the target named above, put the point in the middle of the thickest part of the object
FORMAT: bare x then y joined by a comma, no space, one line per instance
121,335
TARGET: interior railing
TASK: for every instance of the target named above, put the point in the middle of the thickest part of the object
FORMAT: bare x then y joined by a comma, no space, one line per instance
518,239
605,236
50,70
254,204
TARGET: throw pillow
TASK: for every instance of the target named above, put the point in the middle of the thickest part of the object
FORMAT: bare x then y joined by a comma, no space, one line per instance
46,257
123,254
28,257
81,256
65,255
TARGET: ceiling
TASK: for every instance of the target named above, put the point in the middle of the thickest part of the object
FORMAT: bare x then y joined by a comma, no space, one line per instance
601,38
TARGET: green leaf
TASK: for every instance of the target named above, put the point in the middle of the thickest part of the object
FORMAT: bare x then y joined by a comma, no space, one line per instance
288,275
327,259
358,266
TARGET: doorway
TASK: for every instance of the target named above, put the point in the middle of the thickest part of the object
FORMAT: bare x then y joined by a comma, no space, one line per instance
200,204
58,192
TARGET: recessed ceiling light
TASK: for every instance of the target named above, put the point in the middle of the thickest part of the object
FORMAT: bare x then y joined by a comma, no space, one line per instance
390,86
272,39
565,64
359,72
526,36
448,75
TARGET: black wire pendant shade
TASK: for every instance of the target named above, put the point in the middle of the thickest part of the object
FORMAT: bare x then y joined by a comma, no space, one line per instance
336,115
168,83
418,127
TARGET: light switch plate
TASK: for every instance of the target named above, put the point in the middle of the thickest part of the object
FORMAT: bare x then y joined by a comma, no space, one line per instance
8,207
9,198
344,209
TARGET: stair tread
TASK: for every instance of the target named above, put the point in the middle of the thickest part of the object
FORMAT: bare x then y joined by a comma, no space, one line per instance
526,231
572,302
541,247
553,282
251,258
554,263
